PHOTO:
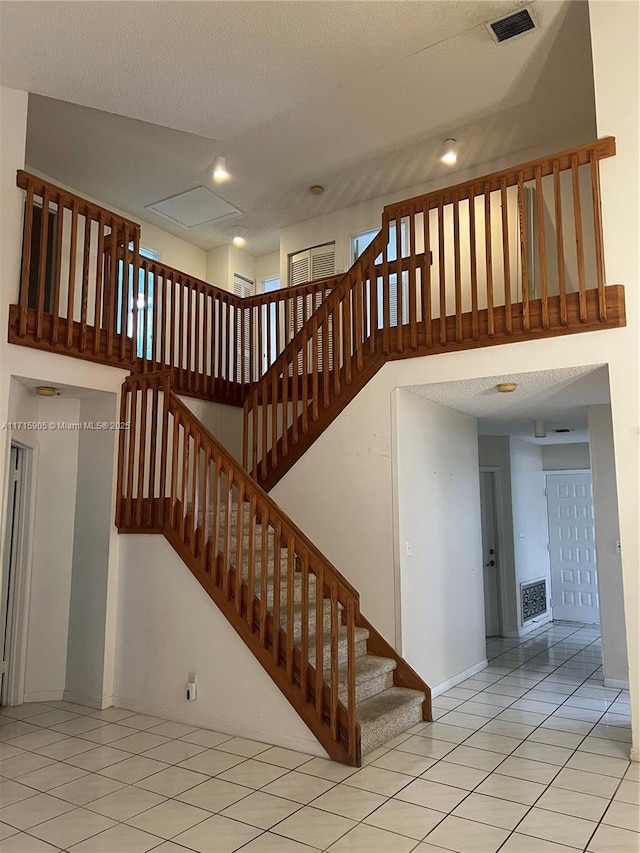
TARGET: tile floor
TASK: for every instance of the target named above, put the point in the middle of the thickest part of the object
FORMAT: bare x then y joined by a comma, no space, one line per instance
528,756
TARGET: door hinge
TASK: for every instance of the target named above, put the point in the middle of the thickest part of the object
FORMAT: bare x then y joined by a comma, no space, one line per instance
16,474
548,546
3,667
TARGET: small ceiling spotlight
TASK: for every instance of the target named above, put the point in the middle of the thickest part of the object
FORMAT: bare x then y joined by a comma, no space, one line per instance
238,239
449,154
220,173
47,391
539,429
316,189
506,387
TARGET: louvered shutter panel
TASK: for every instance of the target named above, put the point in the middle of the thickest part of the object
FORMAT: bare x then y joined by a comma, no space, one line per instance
242,287
323,261
299,269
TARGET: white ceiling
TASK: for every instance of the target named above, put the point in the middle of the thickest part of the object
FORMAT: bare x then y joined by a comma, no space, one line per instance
355,96
558,397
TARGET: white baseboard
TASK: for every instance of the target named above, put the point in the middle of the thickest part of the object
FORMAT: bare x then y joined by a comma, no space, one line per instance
461,676
634,755
206,721
619,683
43,696
88,700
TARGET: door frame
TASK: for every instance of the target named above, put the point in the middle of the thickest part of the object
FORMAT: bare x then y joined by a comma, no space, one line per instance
13,684
546,489
498,515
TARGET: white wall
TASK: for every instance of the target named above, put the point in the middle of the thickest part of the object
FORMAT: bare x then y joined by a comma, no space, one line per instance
615,50
610,590
495,452
223,262
443,632
169,627
225,422
566,457
530,526
94,539
268,266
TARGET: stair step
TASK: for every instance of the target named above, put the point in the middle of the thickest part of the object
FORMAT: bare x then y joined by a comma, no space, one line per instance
388,714
361,637
373,675
297,618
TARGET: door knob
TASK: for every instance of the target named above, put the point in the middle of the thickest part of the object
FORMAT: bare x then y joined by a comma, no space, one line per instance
490,563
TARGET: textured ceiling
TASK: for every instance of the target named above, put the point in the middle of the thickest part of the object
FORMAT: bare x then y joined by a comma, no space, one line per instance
559,397
355,96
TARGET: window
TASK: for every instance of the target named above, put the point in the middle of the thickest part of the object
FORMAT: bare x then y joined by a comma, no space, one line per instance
269,351
359,243
143,305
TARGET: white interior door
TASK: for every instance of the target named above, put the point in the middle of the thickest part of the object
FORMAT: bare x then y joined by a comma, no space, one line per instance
489,554
7,588
572,548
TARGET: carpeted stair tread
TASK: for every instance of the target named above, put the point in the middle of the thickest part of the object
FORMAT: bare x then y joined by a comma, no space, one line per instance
388,714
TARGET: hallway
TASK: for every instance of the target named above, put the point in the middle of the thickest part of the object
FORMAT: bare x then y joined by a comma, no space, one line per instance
528,756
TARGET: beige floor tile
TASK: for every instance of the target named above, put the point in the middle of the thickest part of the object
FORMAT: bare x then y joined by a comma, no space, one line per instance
348,802
204,737
611,839
299,787
628,792
496,812
242,746
71,828
133,769
314,827
38,809
97,759
86,789
23,843
525,768
326,769
379,781
456,775
174,751
288,758
623,815
370,839
52,776
168,819
268,842
405,818
508,788
585,783
433,795
404,762
252,774
573,803
261,810
211,762
467,836
123,839
563,829
124,803
12,792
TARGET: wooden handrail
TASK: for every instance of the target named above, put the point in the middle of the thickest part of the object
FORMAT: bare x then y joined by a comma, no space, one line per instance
480,249
174,477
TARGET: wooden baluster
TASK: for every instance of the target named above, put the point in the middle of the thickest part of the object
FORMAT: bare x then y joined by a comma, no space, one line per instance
220,368
184,494
195,496
270,355
386,290
442,299
254,411
57,274
279,343
124,302
198,339
215,522
188,293
253,374
577,218
285,413
207,533
97,310
169,359
336,337
84,302
491,325
264,412
319,686
597,226
158,331
325,362
262,347
295,393
315,352
506,262
334,659
475,330
251,560
73,249
142,453
399,287
173,502
359,300
264,575
426,277
305,386
456,267
274,418
226,543
163,454
542,250
351,679
42,266
413,300
231,351
26,262
135,288
373,308
524,262
239,556
562,281
277,557
291,542
112,287
132,453
304,628
124,437
180,320
346,333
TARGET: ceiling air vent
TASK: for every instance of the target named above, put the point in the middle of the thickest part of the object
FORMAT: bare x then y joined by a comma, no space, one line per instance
513,25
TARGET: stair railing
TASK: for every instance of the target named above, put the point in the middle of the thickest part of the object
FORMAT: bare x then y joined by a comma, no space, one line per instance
290,605
517,253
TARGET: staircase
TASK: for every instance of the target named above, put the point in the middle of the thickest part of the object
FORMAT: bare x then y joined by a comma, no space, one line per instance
295,611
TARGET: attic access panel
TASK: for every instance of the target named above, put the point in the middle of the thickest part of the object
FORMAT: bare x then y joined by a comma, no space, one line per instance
195,207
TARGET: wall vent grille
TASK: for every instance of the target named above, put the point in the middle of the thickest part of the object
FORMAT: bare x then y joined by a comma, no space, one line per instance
513,25
533,597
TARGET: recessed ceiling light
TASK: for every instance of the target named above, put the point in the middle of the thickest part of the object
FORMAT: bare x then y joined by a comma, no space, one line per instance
506,387
449,154
316,189
220,173
238,239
